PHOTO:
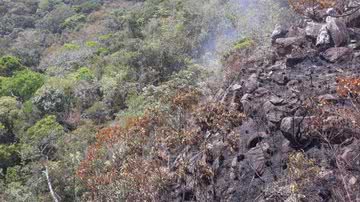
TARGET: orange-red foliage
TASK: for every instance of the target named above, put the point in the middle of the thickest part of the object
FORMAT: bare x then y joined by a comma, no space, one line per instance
300,6
136,155
348,86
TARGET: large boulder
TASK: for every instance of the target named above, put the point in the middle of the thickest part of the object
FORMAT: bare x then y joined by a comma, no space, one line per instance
338,31
284,46
337,54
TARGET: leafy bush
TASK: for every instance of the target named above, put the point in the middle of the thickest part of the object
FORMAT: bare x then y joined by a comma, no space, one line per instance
23,84
50,100
84,73
73,21
9,65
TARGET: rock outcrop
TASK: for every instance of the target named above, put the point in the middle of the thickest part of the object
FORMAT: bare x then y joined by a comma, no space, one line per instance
275,97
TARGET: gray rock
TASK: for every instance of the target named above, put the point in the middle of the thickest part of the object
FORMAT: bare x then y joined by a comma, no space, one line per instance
273,114
312,29
279,78
292,125
246,103
286,42
252,83
338,31
279,32
337,54
331,12
276,100
324,37
236,87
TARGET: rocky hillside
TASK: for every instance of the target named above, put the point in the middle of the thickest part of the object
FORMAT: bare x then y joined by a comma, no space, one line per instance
299,139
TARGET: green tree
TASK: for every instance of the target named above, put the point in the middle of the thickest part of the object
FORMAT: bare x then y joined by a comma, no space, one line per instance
23,84
9,112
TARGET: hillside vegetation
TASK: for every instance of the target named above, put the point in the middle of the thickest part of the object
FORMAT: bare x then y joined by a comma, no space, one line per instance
179,100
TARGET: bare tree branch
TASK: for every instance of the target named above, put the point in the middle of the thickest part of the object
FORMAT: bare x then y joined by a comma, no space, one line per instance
53,194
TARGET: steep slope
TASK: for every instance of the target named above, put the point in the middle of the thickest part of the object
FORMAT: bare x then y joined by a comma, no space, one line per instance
300,137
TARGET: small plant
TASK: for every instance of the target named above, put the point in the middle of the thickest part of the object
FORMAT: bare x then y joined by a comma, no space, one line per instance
71,46
243,43
84,73
302,172
91,44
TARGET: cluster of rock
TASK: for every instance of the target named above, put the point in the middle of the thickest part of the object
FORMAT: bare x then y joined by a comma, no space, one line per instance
274,96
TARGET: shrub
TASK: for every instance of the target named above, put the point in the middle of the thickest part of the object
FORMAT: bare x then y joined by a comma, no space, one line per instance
91,44
9,65
84,73
243,43
73,21
50,100
23,84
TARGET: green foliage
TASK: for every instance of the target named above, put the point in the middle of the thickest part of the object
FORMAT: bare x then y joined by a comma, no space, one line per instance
8,151
13,174
9,111
84,73
44,128
71,46
9,65
105,37
88,6
16,191
41,139
47,5
243,43
54,19
73,21
136,105
23,84
91,44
